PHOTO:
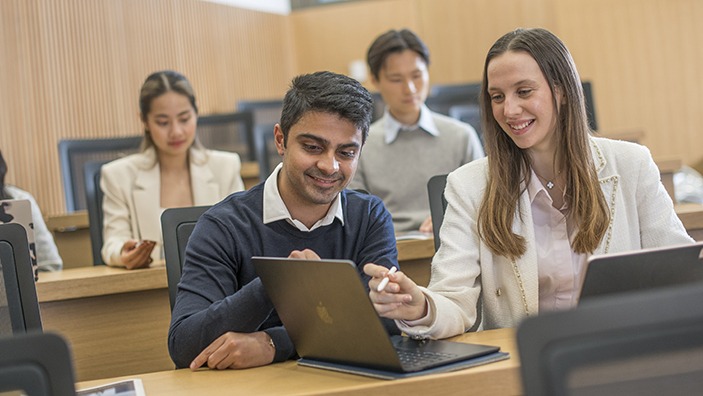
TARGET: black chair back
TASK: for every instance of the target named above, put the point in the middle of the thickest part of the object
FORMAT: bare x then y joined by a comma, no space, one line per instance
74,153
644,343
267,113
176,225
94,203
438,204
19,307
36,365
233,132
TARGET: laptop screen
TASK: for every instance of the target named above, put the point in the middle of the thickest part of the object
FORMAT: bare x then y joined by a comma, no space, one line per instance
643,269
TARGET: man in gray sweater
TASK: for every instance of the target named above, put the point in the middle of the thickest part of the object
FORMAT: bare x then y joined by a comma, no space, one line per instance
410,143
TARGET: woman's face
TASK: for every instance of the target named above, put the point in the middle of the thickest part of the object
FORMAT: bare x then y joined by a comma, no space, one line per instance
522,101
172,122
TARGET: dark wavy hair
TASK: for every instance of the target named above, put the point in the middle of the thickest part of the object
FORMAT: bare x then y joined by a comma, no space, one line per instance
327,92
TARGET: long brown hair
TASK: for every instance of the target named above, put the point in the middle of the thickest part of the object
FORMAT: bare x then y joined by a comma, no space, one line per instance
509,166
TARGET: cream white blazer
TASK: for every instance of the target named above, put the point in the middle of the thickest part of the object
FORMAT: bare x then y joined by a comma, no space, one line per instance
642,216
132,195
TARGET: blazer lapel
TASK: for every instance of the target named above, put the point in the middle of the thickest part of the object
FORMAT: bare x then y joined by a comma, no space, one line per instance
206,190
147,200
609,186
526,268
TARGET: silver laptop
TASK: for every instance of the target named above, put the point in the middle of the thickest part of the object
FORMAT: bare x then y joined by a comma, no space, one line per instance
327,312
642,269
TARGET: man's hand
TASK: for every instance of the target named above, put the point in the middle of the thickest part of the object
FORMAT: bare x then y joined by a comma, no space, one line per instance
237,351
426,225
304,254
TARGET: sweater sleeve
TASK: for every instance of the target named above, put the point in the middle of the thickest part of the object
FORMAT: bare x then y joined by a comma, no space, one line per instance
211,299
379,245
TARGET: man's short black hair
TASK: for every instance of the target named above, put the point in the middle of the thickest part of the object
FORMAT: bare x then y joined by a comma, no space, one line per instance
391,42
327,92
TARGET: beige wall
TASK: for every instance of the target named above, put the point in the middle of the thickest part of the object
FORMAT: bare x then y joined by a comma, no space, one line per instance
644,57
73,68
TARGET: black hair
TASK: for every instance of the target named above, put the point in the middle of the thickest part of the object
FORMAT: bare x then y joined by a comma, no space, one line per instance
327,92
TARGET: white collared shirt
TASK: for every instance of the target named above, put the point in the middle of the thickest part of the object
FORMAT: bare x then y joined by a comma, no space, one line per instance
560,268
275,209
392,126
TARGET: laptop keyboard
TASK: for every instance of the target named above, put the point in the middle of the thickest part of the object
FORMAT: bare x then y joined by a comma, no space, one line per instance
417,359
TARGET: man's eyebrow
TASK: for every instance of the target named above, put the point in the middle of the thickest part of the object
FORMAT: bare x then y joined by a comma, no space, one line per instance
353,145
324,142
318,139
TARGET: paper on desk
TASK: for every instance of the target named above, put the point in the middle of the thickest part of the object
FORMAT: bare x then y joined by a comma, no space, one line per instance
412,235
130,387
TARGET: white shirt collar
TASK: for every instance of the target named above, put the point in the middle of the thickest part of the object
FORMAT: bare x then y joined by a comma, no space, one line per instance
392,126
275,209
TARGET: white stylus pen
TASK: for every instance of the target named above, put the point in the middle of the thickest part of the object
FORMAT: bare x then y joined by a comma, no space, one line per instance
385,280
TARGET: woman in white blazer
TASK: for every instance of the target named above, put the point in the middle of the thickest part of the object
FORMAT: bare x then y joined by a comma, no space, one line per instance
172,170
521,223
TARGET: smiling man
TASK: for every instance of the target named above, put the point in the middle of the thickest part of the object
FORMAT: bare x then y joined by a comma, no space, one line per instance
222,317
410,143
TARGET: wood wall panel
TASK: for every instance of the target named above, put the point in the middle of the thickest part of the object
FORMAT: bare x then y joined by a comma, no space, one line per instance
459,33
73,69
643,56
328,38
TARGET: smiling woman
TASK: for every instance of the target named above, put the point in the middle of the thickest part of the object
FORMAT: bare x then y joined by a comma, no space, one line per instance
172,170
514,244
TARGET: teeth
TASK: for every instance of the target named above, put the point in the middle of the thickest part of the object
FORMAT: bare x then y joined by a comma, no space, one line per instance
521,126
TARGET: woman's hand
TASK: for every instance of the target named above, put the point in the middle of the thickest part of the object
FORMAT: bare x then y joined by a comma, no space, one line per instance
137,254
400,299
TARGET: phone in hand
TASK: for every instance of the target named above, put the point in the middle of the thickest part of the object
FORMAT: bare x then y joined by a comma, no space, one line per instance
145,242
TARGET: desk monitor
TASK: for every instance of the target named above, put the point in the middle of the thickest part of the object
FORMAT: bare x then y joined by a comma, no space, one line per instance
643,269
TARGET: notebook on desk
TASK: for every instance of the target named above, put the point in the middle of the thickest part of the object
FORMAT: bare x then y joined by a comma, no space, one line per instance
643,269
327,312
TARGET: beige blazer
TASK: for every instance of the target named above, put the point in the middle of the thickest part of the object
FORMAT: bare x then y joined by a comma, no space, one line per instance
132,195
642,216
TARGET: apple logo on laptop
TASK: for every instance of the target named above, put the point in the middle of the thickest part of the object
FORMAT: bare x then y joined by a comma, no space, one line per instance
323,314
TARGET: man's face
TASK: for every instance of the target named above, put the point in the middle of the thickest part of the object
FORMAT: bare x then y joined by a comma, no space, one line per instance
319,160
404,84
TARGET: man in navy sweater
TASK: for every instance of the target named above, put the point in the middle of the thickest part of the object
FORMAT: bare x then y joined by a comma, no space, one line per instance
222,317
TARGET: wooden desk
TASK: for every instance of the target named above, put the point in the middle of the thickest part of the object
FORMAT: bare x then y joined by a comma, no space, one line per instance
667,168
499,378
117,320
691,216
72,236
250,174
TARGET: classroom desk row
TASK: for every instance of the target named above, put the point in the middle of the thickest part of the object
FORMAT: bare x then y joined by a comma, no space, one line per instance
117,320
499,378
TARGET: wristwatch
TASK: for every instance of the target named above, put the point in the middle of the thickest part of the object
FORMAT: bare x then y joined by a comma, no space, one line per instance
271,344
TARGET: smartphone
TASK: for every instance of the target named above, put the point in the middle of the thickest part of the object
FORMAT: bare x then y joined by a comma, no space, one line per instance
145,241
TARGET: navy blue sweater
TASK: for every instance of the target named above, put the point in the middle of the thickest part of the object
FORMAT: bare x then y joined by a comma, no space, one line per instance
219,290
